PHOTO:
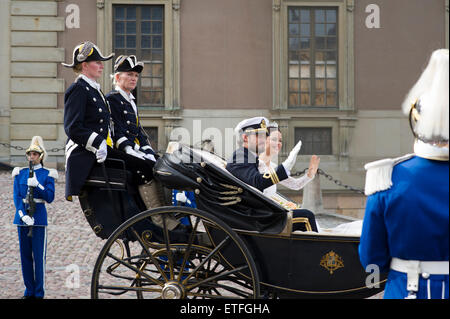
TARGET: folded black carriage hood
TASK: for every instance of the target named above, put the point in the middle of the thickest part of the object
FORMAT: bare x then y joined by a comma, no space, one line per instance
217,191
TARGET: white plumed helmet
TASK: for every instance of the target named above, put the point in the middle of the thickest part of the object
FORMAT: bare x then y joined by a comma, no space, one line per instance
427,101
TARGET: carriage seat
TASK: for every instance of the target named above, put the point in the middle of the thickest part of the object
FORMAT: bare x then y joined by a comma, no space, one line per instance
116,175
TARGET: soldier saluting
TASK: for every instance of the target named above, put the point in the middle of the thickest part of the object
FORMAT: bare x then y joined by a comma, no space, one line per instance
41,184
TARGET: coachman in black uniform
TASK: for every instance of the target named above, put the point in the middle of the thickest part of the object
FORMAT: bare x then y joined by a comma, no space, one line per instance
129,134
130,137
89,126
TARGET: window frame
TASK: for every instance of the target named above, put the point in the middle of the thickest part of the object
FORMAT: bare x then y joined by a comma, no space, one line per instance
322,123
345,61
139,92
171,47
312,62
305,146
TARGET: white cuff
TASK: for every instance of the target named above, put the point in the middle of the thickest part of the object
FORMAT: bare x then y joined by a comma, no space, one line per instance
120,141
146,147
91,139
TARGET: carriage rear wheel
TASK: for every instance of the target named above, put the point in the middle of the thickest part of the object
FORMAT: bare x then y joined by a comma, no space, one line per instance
187,262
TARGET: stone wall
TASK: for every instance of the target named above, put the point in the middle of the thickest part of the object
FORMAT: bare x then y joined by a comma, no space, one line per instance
34,84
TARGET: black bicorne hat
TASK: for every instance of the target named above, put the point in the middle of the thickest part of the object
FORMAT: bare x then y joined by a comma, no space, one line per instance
127,63
85,52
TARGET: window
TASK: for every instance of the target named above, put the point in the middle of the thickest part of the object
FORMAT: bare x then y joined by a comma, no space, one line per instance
139,30
315,140
312,56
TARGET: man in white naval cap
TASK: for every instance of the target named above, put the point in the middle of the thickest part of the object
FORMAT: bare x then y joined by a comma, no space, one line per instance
31,213
406,223
252,134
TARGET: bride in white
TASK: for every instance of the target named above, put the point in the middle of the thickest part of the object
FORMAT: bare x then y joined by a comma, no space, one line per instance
273,147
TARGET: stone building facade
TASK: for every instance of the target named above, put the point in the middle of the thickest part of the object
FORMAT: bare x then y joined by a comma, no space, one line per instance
330,72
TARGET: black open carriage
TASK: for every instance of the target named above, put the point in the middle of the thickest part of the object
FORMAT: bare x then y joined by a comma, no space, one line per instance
236,244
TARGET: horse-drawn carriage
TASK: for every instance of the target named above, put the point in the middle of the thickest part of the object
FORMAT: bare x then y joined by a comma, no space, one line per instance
237,243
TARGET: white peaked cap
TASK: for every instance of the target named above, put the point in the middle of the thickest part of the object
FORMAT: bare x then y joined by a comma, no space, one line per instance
254,124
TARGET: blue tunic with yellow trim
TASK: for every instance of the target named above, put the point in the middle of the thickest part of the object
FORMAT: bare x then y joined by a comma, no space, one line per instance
410,221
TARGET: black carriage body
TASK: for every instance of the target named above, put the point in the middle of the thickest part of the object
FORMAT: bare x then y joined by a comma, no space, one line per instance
303,264
109,198
104,198
307,266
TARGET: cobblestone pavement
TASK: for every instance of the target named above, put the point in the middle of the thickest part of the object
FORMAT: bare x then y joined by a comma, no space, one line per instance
71,245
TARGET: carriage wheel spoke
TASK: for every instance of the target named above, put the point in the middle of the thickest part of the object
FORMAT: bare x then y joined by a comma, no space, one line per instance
234,290
188,249
210,255
213,286
125,288
154,261
135,269
167,242
217,276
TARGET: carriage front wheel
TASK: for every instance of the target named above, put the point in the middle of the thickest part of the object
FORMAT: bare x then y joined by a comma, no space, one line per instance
142,260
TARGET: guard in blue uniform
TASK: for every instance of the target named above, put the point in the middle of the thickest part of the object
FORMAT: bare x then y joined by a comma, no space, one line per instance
252,134
406,223
89,126
33,244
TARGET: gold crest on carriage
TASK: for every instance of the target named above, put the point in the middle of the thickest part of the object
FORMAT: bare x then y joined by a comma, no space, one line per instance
331,262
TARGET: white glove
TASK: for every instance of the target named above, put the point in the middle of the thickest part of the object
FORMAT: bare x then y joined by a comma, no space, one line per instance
28,220
132,152
137,149
292,157
102,152
33,182
150,157
181,197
